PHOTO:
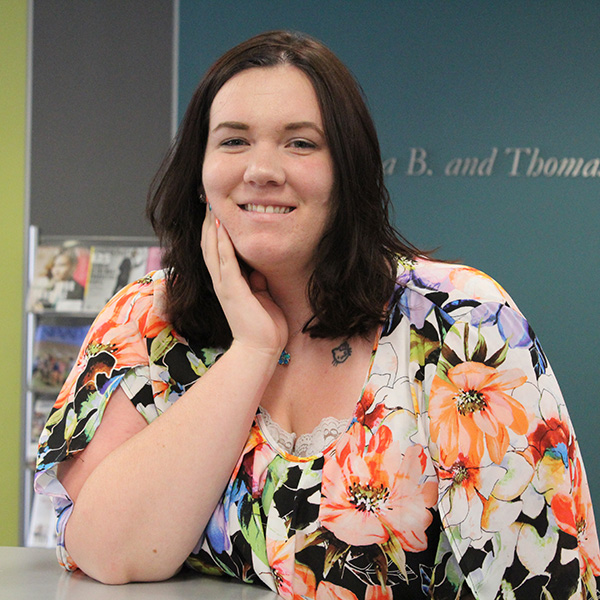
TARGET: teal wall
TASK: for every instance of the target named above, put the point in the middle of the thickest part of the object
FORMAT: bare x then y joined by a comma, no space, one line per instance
458,80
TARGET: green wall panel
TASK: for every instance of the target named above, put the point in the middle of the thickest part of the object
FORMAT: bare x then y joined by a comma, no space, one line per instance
13,75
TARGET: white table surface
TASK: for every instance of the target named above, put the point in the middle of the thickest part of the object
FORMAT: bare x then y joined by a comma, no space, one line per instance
34,574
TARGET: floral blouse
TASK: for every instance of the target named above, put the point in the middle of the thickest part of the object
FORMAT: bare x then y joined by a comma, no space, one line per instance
459,475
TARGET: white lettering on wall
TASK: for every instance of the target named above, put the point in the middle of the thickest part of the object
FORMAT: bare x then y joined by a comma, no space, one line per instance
416,164
535,165
518,161
472,165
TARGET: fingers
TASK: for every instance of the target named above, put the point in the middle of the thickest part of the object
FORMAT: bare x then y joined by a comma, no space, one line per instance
209,245
227,258
255,320
219,253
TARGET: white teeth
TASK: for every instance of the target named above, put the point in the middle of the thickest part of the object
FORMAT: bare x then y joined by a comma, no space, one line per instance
269,208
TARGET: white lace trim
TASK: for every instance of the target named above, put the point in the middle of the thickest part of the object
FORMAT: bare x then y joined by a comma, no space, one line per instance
308,444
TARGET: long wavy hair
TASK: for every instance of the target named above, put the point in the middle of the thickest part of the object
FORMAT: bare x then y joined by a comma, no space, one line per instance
355,262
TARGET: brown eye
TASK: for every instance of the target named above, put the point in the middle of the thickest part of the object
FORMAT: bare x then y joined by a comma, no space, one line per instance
234,142
303,145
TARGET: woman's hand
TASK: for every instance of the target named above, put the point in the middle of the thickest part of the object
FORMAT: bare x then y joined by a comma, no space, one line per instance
255,320
118,531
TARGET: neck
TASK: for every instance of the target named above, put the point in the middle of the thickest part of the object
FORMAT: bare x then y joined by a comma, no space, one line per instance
289,293
292,298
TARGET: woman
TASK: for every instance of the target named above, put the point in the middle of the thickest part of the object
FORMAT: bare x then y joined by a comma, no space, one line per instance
340,417
58,284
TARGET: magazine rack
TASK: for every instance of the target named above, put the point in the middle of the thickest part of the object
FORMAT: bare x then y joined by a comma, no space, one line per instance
69,280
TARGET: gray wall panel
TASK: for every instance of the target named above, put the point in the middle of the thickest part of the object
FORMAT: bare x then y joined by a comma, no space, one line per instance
101,112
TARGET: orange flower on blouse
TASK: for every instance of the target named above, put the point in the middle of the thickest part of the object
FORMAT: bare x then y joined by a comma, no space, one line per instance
575,516
471,410
282,563
373,493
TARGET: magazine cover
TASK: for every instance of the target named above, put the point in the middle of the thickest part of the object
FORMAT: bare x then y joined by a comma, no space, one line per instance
112,268
54,353
58,284
39,414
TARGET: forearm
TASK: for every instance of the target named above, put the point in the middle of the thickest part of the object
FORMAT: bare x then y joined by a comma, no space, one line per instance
143,509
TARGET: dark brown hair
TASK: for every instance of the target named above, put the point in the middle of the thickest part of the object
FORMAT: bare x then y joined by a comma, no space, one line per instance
355,262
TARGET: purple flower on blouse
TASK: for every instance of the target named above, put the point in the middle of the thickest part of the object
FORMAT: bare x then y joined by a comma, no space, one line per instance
415,307
511,325
217,529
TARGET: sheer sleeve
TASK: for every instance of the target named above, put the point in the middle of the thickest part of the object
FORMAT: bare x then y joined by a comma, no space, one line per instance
513,497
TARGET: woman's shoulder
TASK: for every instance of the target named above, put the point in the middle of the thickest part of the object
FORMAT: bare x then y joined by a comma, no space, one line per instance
444,293
449,284
142,301
151,284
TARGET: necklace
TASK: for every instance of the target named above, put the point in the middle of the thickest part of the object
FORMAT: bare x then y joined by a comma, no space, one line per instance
285,356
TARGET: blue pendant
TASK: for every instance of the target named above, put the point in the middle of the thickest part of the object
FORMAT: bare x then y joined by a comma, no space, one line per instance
285,358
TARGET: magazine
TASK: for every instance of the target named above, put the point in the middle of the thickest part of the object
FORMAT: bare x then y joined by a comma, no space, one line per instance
59,278
55,351
39,415
112,268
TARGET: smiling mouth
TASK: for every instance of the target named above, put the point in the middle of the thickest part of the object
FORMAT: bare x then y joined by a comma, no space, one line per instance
268,208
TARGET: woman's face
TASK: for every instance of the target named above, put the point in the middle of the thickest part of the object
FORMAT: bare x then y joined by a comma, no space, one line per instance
62,269
268,172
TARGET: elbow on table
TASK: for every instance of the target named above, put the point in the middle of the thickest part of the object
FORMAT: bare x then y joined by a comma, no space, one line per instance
114,560
113,571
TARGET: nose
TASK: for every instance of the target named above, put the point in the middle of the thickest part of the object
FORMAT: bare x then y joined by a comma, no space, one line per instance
264,166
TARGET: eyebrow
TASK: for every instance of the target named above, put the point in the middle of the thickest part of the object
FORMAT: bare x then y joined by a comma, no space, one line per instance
231,125
289,127
303,125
